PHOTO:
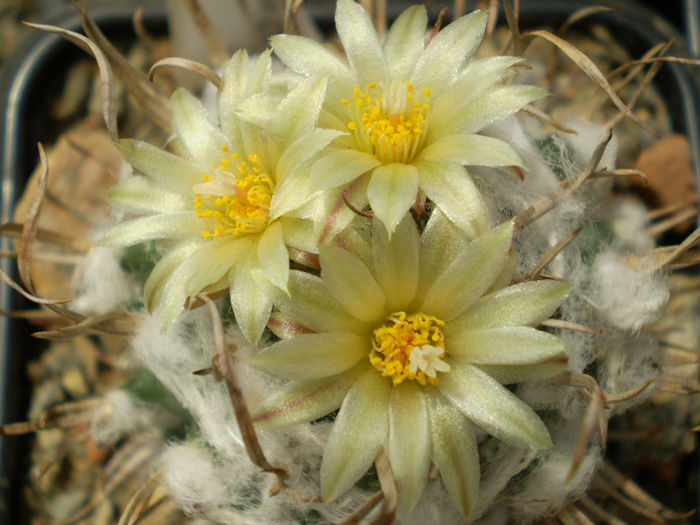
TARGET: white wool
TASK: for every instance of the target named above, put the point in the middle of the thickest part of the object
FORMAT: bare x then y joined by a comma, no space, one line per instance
101,285
628,217
122,414
435,506
587,138
499,464
629,362
626,298
548,475
230,489
188,346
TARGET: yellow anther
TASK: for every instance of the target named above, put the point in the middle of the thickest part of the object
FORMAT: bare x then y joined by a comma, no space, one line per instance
242,211
234,156
386,126
426,92
344,101
224,148
399,337
225,161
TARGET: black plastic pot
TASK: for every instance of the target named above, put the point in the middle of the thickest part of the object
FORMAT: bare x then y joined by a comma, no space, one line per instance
35,72
30,79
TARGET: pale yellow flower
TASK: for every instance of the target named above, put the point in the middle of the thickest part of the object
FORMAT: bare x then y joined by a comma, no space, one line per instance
411,106
412,338
225,204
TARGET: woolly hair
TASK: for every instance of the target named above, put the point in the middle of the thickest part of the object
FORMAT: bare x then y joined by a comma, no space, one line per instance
213,480
123,414
628,217
212,477
101,285
626,298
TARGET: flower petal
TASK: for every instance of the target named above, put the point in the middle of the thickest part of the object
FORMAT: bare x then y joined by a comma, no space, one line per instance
506,276
299,402
162,226
359,431
299,234
297,114
451,188
191,122
273,256
334,214
312,356
507,345
173,172
470,274
497,104
340,167
313,307
409,442
251,297
360,42
405,41
171,297
290,195
507,375
455,452
391,192
396,262
213,260
492,407
260,74
440,243
450,48
303,149
471,150
235,78
350,283
308,57
139,194
153,288
523,304
477,77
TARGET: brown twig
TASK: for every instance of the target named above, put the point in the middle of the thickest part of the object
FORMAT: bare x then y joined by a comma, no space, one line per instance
190,65
551,254
217,49
223,365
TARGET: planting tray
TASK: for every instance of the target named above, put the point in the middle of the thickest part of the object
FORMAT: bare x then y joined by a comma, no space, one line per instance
36,73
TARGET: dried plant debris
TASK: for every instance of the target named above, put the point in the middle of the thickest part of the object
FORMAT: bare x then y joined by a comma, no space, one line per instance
406,340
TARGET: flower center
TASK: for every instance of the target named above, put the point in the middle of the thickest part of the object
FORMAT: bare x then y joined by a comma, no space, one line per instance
409,347
238,199
388,123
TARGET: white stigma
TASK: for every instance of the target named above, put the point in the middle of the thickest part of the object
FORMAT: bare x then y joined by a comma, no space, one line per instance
427,359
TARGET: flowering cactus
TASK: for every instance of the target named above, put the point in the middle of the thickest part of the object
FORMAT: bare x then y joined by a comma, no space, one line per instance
415,327
411,107
409,350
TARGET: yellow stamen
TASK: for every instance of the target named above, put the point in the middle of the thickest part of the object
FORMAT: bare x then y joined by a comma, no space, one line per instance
246,209
399,336
389,126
